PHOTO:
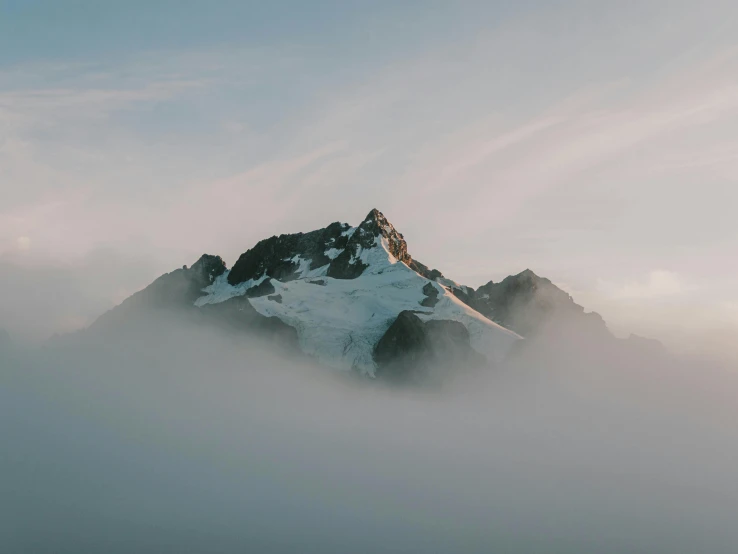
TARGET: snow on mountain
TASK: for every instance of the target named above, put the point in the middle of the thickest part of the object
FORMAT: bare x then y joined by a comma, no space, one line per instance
342,287
354,298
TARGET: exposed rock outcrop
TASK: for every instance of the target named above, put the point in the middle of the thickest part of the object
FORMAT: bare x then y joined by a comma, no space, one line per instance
431,296
424,270
278,256
348,265
262,289
338,246
412,349
207,268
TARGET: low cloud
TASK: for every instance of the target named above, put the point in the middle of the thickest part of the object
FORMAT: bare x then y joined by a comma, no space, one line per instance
24,243
40,298
657,284
187,441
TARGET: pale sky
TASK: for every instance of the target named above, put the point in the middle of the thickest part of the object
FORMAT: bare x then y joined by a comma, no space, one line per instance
593,142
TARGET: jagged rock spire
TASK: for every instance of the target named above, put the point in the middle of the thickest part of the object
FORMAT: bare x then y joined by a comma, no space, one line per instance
338,246
375,224
348,266
528,273
208,267
375,215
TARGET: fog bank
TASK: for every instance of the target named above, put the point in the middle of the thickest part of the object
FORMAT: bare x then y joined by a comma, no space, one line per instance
192,442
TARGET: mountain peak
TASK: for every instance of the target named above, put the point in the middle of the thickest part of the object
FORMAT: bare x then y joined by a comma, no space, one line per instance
375,215
208,267
338,250
526,303
375,224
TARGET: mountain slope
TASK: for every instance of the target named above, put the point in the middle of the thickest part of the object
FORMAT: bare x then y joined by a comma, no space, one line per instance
532,305
169,300
342,287
346,295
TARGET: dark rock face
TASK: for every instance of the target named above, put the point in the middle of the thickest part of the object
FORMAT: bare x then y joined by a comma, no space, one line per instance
529,305
274,256
347,264
424,270
431,296
412,350
275,298
463,295
208,267
262,289
375,225
405,338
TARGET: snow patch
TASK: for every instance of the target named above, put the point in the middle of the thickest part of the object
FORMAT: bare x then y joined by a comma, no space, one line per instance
303,268
221,290
332,253
349,232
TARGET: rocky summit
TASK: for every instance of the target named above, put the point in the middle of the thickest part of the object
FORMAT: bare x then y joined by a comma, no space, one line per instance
353,298
338,248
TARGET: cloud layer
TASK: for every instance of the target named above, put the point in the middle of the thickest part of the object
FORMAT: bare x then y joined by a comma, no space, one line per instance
190,442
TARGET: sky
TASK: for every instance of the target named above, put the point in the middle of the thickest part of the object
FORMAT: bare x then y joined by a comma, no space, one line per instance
595,143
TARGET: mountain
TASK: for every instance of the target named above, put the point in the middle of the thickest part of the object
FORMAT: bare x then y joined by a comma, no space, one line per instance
531,305
342,288
172,297
354,298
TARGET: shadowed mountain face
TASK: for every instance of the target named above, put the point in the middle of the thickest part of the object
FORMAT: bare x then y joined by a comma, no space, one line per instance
529,305
411,349
279,257
172,291
171,297
354,298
